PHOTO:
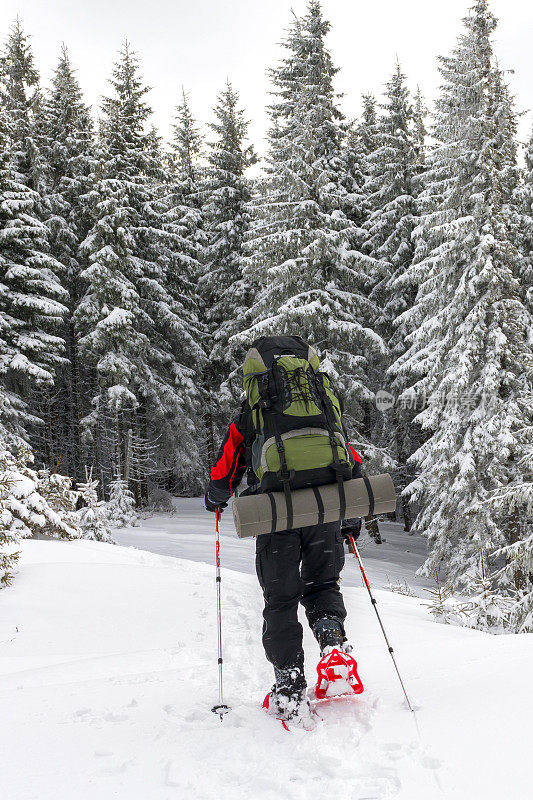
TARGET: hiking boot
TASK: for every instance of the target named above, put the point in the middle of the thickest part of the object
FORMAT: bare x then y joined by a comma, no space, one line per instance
288,698
329,635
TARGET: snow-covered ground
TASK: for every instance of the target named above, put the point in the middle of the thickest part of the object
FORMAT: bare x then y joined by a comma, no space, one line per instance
108,674
189,534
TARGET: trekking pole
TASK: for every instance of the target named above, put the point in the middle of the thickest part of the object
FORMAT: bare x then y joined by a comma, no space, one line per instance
375,604
221,708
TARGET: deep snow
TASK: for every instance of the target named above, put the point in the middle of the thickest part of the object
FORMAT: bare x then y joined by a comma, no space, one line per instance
108,674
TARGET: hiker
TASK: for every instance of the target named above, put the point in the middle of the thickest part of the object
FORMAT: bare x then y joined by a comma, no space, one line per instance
287,435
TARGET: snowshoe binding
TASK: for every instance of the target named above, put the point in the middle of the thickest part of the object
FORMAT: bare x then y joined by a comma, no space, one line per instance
337,669
337,674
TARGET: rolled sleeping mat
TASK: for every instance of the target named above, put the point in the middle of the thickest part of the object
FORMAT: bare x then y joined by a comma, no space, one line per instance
256,514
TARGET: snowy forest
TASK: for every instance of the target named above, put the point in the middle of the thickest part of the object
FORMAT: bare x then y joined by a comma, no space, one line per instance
135,273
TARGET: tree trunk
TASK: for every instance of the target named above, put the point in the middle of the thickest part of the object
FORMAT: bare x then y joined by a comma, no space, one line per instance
211,452
372,526
406,511
74,405
513,535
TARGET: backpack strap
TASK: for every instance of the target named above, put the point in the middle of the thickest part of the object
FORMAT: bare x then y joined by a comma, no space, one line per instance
285,474
274,512
331,422
264,402
319,503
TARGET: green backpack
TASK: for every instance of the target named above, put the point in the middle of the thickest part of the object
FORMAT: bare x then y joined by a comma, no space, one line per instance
296,434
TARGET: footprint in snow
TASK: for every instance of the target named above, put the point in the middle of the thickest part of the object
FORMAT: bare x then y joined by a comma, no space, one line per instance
110,716
430,763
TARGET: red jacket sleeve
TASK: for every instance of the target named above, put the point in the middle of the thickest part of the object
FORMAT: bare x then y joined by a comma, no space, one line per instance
356,469
229,466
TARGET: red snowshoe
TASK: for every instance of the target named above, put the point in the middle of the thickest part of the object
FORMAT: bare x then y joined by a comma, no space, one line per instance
337,675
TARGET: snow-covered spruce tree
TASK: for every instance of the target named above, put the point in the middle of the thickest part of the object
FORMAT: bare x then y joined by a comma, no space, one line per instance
516,497
442,605
369,127
120,508
360,143
57,490
486,608
133,337
180,216
523,209
177,213
31,297
355,179
9,538
93,517
226,293
391,194
419,113
392,188
302,253
469,352
24,511
187,149
26,508
65,136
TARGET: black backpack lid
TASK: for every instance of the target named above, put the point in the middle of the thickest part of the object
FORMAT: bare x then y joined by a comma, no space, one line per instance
269,347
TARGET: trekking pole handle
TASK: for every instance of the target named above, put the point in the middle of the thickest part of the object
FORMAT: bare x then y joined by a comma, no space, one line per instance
217,545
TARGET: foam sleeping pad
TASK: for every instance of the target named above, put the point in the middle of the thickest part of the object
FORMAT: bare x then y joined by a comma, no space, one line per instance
267,513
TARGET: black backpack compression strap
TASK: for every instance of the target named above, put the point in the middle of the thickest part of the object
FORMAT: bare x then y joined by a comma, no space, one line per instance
320,504
288,501
342,496
370,496
274,512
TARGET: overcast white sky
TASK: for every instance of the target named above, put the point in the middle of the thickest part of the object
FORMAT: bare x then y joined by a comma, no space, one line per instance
200,43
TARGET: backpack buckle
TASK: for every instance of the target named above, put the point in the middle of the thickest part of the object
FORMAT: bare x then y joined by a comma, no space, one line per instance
285,475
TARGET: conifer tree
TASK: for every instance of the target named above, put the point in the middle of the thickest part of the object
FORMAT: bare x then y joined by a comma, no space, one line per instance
392,187
121,506
517,574
368,128
134,338
187,146
303,247
226,292
354,181
93,516
31,297
178,213
392,201
25,509
468,352
420,113
523,206
66,143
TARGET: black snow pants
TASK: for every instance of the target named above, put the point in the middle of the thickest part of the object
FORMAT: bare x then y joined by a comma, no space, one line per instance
299,566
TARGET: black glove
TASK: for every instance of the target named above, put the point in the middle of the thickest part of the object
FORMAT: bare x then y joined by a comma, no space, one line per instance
211,505
351,527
